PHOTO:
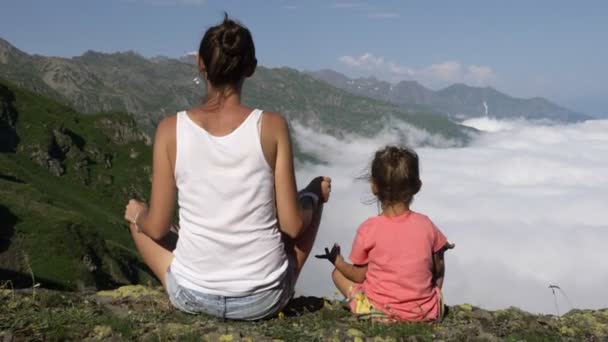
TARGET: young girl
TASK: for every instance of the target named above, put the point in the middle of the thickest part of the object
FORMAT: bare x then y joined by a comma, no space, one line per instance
397,256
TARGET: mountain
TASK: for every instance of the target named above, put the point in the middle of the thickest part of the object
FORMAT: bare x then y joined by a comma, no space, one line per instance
153,88
75,146
64,180
458,100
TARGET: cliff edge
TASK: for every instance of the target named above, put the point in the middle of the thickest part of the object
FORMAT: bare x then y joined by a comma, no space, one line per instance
144,313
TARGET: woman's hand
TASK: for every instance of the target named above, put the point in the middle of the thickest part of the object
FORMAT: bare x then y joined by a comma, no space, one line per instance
332,255
134,210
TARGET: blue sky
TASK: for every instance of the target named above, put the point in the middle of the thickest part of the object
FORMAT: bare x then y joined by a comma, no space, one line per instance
556,49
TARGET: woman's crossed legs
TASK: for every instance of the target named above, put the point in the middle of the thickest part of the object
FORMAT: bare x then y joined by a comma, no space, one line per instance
158,255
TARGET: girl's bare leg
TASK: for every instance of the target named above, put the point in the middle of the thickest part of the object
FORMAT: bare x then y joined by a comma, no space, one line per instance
341,282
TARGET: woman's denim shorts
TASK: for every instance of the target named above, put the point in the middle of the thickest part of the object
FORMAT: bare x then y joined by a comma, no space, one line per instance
253,307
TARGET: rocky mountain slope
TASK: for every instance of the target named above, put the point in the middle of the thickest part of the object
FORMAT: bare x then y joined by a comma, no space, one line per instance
152,88
457,101
144,313
64,180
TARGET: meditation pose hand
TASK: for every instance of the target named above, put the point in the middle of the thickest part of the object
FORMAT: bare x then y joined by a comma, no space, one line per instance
133,212
332,255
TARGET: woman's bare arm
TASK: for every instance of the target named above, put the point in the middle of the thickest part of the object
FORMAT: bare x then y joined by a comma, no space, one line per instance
288,209
155,221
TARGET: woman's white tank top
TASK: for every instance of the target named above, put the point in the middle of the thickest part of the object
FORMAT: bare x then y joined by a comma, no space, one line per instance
229,242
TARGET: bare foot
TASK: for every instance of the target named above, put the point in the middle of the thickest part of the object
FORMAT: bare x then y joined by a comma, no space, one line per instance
312,198
318,190
325,189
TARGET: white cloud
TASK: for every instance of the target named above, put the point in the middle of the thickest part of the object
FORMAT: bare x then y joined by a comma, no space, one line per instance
525,205
434,75
367,61
400,70
480,74
447,72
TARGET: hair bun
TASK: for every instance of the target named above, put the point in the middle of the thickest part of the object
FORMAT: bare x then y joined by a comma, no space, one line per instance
228,53
230,41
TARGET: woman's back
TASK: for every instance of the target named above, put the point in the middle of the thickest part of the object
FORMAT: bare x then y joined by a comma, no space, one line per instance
229,240
233,177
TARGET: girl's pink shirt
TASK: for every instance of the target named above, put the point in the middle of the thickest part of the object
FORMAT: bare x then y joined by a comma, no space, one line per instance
399,254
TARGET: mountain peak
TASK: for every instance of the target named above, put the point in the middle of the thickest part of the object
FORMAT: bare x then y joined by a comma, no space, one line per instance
410,83
8,51
4,42
461,87
457,85
91,55
459,98
329,76
330,72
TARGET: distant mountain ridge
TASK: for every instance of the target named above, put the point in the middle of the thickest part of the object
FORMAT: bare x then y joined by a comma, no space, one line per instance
458,100
153,88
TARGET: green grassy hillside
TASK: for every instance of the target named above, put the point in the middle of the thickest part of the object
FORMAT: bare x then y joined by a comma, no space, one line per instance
64,181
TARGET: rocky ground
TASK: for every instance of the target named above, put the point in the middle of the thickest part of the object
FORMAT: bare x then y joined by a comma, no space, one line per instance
144,313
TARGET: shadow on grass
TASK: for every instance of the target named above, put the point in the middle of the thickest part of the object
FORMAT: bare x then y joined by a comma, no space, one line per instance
20,280
7,227
8,119
11,179
301,305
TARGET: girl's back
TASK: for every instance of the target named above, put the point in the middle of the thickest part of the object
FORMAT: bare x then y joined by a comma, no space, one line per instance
399,253
397,257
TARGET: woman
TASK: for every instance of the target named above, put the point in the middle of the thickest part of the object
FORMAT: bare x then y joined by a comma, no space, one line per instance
245,233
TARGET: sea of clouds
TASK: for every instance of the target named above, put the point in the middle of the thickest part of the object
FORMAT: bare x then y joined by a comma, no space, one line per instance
526,204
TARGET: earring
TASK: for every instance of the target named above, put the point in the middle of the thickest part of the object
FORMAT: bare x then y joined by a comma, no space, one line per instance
197,80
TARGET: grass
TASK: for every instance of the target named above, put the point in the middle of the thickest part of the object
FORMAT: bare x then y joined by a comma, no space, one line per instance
72,224
55,315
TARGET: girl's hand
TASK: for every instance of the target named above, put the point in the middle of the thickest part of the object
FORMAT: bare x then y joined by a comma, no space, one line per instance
133,210
332,255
